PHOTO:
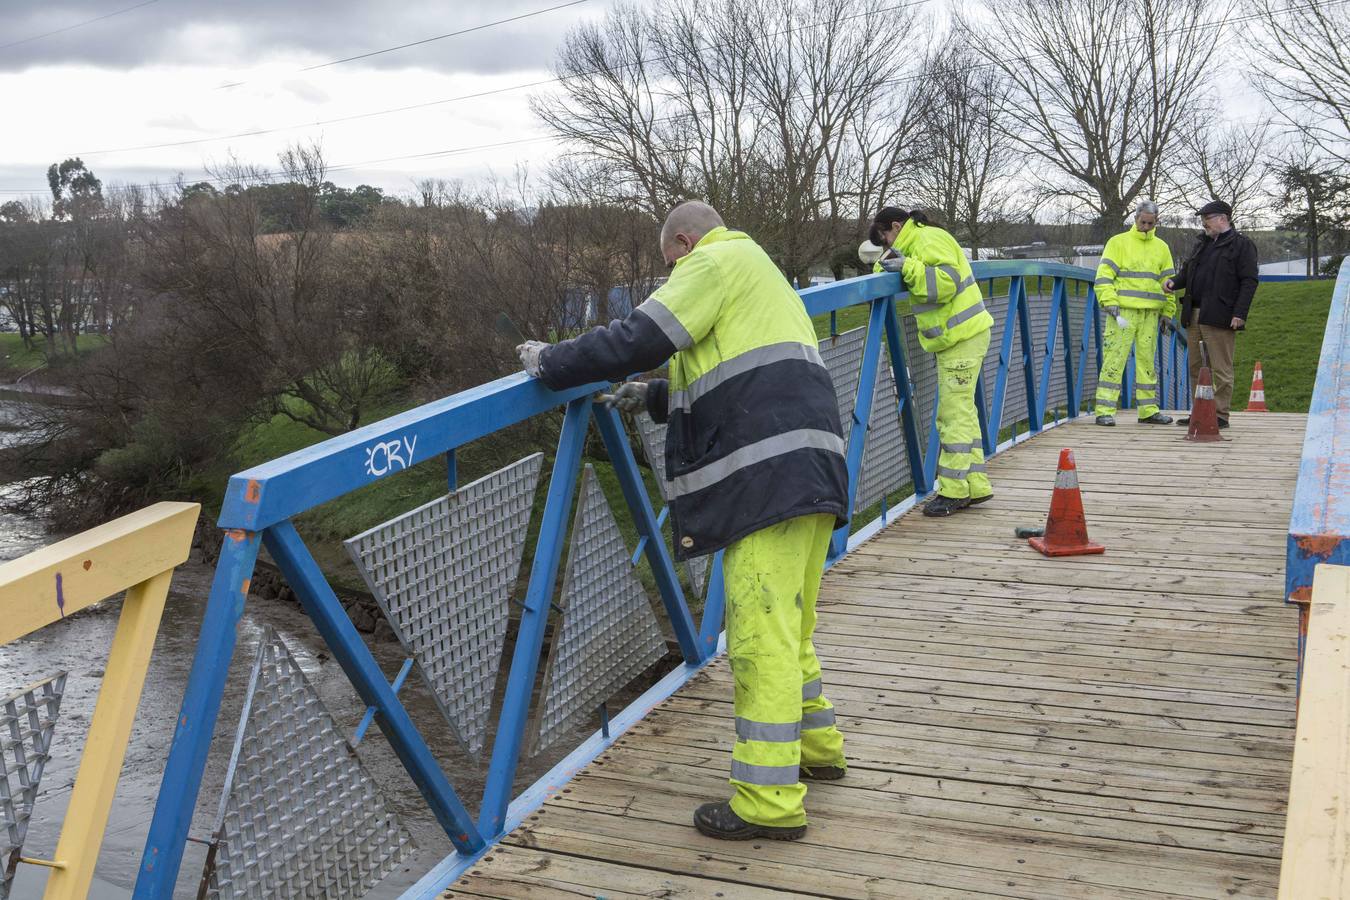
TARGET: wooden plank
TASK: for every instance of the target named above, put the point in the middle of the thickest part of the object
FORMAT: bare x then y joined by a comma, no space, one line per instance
1317,843
58,580
1114,726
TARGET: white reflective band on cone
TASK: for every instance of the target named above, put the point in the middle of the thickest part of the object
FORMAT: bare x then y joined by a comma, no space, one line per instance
1067,479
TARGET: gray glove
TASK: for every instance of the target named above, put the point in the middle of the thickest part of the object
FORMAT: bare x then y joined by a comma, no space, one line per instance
629,397
530,355
893,263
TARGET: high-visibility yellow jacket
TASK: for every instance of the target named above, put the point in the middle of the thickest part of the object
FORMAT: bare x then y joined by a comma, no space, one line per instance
754,436
1132,271
943,294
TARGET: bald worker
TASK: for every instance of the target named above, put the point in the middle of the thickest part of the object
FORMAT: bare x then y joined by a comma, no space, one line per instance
755,457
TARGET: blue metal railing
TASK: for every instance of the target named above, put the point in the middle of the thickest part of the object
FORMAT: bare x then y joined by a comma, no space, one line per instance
1319,527
1051,362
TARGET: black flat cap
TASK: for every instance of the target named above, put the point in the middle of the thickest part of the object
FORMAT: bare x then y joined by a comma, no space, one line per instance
1215,207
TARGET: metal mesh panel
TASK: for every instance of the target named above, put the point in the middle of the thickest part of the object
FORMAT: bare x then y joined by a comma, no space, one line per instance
29,718
608,634
443,574
885,464
842,355
922,378
300,815
654,446
653,437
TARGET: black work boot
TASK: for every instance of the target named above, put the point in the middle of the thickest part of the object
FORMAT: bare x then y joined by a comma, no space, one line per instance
984,499
821,773
1106,420
945,506
717,820
1156,419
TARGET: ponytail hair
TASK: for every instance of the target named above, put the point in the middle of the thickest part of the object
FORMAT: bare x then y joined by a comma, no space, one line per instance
892,215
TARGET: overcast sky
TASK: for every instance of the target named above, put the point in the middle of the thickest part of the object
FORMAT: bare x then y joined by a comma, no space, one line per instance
204,74
152,74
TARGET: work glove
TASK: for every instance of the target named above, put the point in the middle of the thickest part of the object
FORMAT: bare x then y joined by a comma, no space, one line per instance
531,354
629,397
1114,312
894,263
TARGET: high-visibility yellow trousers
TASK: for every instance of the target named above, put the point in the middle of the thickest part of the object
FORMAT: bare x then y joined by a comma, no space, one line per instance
783,720
961,471
1140,332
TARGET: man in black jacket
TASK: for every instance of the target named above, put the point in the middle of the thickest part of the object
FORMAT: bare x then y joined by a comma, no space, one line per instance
1220,279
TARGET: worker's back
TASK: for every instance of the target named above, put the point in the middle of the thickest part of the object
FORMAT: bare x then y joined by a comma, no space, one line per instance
754,435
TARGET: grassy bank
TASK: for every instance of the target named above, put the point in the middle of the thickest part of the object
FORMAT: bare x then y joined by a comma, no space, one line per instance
1284,331
15,358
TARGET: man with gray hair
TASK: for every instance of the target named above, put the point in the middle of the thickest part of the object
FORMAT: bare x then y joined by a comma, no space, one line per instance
755,459
1129,285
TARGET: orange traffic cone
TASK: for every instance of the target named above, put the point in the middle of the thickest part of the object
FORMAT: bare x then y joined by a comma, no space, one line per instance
1066,526
1204,425
1257,401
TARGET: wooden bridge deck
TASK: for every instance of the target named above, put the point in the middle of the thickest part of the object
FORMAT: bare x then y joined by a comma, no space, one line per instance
1112,726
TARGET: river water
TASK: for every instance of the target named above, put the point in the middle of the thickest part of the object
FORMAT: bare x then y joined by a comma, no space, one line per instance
79,646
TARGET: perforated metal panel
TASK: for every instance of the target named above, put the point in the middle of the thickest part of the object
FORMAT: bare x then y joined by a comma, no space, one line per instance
300,815
608,634
27,721
842,355
885,465
654,447
443,574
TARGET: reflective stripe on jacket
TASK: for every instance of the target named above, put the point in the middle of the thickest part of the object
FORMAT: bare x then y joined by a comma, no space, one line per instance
754,436
1132,271
943,294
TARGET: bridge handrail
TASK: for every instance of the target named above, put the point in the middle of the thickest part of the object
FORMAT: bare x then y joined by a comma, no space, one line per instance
261,502
137,554
1319,526
1316,857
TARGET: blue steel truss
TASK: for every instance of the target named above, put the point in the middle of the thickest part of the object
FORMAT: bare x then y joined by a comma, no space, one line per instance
261,502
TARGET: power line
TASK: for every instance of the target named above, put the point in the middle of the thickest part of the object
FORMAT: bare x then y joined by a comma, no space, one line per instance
518,18
447,100
418,43
46,34
674,117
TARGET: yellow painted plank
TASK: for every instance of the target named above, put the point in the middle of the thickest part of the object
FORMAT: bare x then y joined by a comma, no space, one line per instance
56,581
1317,834
106,745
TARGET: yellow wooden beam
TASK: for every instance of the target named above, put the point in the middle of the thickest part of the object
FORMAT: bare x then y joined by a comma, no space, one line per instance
1317,831
109,732
48,584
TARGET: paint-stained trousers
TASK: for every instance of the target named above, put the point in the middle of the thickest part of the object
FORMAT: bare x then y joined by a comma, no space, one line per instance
1140,332
783,720
961,471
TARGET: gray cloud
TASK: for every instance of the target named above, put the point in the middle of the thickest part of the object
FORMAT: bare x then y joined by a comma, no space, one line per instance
183,31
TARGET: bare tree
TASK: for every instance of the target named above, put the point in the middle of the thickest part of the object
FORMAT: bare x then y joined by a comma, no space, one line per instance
1217,161
967,165
769,109
1103,86
275,307
1304,67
